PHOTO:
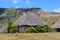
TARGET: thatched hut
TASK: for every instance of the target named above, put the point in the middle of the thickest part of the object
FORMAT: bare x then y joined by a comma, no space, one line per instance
28,19
56,27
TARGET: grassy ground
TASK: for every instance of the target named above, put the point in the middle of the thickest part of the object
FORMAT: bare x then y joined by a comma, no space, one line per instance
30,36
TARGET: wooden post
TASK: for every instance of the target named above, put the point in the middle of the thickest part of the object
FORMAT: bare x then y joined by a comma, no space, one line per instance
18,29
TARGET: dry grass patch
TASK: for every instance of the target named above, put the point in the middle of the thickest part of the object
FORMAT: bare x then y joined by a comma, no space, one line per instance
30,36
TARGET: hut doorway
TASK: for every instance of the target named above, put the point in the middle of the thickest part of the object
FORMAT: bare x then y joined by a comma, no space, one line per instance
58,29
23,27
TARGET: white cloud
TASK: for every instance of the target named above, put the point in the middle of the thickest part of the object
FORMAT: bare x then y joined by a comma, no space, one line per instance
57,10
45,10
20,1
15,1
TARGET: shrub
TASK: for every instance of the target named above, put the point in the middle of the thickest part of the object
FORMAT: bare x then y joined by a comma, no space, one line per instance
43,28
28,30
23,31
13,29
49,29
38,29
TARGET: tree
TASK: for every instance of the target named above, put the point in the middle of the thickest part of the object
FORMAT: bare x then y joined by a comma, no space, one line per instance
11,28
9,22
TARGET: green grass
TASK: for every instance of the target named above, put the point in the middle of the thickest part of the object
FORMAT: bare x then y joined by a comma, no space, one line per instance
30,36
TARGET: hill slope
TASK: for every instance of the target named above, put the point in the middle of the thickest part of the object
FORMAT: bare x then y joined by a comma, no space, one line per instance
49,17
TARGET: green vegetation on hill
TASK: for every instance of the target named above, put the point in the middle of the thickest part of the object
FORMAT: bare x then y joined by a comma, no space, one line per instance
3,15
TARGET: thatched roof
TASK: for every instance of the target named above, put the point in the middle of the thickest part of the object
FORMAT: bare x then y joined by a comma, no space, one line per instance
57,24
29,19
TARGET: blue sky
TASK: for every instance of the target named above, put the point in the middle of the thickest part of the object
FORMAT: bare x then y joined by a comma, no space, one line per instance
47,5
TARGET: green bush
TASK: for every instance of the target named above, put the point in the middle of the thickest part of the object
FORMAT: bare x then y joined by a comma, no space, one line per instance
43,28
28,30
38,29
23,31
13,29
49,29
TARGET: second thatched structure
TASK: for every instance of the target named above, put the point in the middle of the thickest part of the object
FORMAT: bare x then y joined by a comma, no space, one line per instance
56,27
